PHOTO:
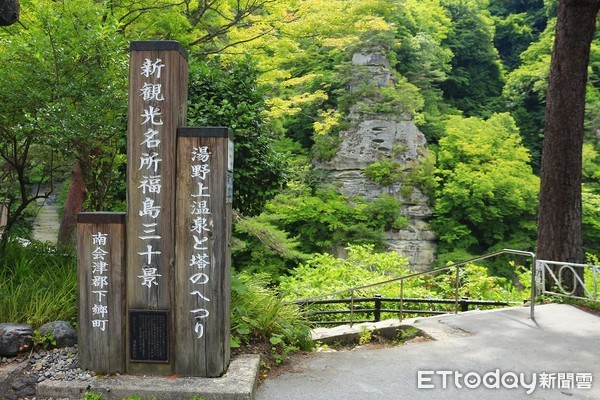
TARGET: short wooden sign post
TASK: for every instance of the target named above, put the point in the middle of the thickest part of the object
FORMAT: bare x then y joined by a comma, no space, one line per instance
101,279
202,282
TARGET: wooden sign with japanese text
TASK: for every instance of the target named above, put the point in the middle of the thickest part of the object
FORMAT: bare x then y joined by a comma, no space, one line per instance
101,291
203,237
158,80
154,283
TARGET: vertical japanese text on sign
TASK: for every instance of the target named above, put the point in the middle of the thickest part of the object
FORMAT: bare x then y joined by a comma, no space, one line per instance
149,163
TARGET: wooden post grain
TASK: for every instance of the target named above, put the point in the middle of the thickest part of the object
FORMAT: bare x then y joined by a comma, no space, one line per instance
101,283
3,216
203,240
157,107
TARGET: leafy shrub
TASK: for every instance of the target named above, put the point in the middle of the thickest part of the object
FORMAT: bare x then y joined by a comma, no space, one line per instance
324,274
325,147
227,94
368,98
261,247
385,172
422,175
326,137
299,224
43,340
488,192
259,314
418,173
324,219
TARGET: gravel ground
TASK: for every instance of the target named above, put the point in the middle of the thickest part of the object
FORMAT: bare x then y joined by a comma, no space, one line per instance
55,364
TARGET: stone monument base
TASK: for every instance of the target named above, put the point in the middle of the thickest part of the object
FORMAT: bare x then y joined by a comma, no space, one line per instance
238,383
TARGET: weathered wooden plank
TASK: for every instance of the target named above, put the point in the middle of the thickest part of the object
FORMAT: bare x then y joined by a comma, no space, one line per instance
157,107
3,216
101,291
203,238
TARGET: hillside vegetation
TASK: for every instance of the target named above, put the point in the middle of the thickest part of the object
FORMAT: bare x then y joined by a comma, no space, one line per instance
472,74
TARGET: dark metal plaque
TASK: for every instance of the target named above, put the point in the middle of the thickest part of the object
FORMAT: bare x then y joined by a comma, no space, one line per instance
149,336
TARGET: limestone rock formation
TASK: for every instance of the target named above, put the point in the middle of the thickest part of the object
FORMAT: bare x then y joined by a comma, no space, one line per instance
373,137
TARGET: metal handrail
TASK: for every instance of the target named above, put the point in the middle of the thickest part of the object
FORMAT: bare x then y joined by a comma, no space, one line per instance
378,308
436,270
544,269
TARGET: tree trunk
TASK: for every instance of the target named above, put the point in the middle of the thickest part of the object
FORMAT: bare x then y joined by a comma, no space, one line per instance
560,234
73,206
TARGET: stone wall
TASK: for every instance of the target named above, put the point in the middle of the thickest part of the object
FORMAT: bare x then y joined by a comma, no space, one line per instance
373,137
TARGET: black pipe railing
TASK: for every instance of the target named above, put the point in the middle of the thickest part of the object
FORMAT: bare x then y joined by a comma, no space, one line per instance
378,309
400,280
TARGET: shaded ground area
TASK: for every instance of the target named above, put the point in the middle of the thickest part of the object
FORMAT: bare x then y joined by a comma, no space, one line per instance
557,355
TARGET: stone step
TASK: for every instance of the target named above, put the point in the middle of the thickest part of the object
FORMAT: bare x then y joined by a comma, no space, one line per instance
46,225
8,374
238,383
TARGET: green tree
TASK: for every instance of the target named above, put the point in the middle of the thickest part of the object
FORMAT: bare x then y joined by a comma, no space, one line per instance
299,61
226,94
204,25
321,220
518,23
513,36
525,92
560,233
422,57
526,89
488,192
63,91
475,82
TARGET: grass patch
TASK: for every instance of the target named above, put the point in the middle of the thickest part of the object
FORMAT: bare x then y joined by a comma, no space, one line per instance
593,307
38,284
262,323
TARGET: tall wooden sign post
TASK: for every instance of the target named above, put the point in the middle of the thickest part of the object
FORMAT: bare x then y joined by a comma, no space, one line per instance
202,283
171,253
158,79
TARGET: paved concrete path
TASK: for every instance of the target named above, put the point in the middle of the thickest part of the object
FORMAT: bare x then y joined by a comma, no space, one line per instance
46,225
562,339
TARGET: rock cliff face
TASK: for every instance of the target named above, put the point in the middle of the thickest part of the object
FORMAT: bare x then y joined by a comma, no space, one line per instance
373,137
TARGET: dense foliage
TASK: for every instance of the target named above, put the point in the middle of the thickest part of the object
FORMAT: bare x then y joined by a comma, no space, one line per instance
227,95
288,102
63,99
38,284
324,274
488,192
472,74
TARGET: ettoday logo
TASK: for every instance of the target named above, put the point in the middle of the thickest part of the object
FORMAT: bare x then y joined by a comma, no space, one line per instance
503,380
